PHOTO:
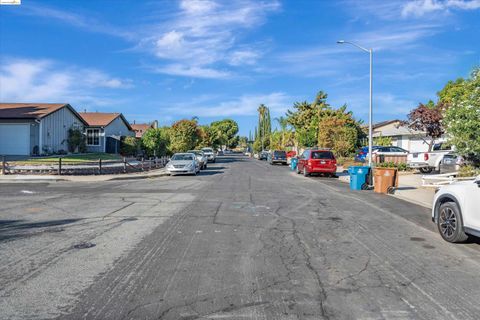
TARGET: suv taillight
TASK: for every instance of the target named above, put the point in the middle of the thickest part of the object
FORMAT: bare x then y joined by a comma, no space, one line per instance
425,156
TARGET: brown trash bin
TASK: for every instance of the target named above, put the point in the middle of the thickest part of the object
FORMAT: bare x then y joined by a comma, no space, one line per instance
385,180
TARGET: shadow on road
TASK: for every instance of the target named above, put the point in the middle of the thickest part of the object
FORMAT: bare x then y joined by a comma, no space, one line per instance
12,229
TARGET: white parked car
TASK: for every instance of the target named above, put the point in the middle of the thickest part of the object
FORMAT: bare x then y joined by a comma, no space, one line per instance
427,162
456,210
201,158
183,163
210,154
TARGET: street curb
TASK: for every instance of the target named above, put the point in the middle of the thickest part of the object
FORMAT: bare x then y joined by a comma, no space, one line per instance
139,177
14,179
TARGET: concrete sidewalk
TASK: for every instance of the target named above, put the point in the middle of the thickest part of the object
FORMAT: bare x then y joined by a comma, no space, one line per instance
409,189
86,178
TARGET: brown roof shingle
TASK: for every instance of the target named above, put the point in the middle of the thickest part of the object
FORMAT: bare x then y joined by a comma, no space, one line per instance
28,110
140,128
102,119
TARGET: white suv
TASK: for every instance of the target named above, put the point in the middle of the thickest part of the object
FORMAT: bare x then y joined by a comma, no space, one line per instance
456,210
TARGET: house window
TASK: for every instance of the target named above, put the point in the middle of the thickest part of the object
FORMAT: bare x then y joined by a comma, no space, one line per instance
93,137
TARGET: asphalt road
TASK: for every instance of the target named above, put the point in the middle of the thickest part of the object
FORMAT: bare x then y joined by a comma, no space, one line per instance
243,240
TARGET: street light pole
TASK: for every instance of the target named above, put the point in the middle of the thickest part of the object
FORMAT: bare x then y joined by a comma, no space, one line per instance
370,117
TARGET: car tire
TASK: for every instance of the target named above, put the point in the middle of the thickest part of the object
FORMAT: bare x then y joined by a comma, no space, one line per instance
426,170
298,170
305,172
450,223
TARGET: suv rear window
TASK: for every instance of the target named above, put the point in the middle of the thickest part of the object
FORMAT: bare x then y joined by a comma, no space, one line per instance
322,155
279,153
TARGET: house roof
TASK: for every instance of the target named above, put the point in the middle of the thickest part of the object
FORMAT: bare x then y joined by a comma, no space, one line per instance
384,123
102,119
383,129
140,128
33,110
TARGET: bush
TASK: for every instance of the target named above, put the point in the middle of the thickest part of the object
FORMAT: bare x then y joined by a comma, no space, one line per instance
76,141
468,171
399,166
129,146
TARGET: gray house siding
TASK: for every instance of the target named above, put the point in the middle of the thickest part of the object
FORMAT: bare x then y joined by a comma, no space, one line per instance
117,128
55,128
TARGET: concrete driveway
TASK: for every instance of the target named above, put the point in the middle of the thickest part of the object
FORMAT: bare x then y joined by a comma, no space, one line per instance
243,240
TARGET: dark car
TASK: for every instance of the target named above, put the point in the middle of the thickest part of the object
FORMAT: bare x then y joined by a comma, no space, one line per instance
451,163
363,152
263,155
277,156
317,161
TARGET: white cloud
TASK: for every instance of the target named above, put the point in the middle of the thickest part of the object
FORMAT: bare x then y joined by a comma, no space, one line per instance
204,34
47,81
419,8
246,105
192,71
76,20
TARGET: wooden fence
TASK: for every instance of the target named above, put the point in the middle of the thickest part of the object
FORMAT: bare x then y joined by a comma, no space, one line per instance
60,167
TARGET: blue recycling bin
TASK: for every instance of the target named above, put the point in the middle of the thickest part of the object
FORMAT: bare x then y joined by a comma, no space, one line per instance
293,164
358,176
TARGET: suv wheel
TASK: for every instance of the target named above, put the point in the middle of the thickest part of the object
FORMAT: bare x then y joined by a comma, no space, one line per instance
450,224
305,172
426,170
298,170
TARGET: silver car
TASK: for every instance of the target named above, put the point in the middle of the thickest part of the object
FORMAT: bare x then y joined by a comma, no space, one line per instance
183,163
201,158
210,154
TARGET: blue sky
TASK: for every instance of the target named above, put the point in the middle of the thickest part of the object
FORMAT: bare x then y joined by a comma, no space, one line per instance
168,60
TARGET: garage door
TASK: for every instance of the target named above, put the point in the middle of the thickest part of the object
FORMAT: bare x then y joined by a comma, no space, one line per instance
14,139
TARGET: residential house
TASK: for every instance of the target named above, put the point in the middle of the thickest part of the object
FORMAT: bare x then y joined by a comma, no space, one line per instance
402,136
105,131
141,128
36,128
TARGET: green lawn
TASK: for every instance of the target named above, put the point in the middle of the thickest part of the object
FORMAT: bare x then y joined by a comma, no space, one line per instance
71,158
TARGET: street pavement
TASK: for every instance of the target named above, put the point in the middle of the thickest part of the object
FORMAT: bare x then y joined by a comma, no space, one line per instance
242,240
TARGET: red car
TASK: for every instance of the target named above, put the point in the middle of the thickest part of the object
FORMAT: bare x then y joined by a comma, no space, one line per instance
317,161
291,154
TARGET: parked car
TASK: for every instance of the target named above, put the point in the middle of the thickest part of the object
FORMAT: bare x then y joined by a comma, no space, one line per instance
455,210
362,153
201,158
291,154
183,163
317,161
451,163
220,153
210,154
277,156
427,162
263,155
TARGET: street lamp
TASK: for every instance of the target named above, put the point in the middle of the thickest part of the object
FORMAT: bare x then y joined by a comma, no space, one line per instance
370,129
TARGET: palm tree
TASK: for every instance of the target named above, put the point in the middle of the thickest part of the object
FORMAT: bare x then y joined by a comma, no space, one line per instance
282,122
264,123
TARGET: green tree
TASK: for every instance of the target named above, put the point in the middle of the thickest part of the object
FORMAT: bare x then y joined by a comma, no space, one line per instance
305,118
382,141
184,135
129,146
462,116
225,132
338,130
156,141
264,126
76,140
